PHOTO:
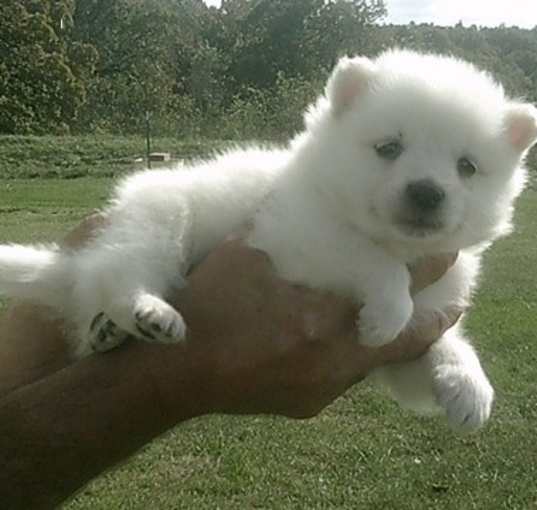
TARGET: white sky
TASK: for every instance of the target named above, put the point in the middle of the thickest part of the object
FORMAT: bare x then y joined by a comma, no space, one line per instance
522,13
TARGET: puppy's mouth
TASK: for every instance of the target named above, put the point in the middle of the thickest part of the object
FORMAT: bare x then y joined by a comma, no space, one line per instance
420,227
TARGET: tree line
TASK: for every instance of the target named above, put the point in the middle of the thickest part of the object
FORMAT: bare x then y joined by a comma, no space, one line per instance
243,70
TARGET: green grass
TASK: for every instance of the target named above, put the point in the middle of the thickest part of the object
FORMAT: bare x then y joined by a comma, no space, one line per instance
71,157
360,453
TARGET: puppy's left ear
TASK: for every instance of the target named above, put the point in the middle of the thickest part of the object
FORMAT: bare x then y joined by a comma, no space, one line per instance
521,125
349,79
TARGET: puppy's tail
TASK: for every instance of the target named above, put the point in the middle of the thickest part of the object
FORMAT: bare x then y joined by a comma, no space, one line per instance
35,273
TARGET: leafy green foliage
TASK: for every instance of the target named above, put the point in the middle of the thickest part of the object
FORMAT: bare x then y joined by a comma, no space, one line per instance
41,69
135,61
95,66
510,54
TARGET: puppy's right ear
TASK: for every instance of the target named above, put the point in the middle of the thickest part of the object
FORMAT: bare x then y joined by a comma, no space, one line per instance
349,79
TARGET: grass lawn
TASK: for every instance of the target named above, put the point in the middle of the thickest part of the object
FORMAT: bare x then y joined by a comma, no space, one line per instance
70,157
362,452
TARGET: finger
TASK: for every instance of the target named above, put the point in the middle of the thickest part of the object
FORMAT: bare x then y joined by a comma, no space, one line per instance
430,269
419,335
412,343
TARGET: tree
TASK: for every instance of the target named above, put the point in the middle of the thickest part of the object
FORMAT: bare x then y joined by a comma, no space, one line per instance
135,74
41,85
90,64
343,27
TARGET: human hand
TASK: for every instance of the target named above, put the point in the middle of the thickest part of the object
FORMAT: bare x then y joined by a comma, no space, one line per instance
273,347
257,344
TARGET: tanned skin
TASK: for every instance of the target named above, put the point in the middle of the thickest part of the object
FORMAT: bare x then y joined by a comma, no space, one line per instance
255,345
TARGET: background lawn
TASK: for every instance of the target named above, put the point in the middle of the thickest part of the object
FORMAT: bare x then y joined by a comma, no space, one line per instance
362,452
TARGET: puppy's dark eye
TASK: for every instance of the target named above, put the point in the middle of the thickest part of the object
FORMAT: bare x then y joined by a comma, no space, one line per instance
466,168
389,150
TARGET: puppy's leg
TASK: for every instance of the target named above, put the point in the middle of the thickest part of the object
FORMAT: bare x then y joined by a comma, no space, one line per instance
122,280
147,317
448,379
388,305
157,321
137,314
104,335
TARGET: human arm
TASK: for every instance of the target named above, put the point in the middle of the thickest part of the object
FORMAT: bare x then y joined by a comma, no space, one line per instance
256,345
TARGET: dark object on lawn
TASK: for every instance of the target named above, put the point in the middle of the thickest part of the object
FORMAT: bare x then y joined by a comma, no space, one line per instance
160,156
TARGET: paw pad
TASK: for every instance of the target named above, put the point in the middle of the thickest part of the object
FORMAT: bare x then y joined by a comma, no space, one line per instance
156,321
104,334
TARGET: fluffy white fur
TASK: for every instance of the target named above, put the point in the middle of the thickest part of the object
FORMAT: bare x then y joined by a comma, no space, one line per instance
330,210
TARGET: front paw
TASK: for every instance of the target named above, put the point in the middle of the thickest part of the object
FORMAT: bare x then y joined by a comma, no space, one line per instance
157,321
380,324
465,395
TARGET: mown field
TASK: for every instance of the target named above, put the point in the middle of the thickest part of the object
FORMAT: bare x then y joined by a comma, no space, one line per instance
360,453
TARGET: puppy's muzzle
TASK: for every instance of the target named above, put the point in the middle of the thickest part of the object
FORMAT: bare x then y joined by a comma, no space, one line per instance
421,213
424,196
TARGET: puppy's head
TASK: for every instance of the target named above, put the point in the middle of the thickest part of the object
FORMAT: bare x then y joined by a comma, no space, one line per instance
420,149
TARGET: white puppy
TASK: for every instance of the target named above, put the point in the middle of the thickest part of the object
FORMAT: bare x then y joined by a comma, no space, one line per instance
403,156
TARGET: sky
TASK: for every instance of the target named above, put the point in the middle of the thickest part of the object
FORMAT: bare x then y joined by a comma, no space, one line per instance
522,13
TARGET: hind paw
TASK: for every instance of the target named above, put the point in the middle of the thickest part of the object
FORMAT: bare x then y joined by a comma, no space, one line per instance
105,335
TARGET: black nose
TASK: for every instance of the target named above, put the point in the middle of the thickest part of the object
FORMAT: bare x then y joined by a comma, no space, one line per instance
425,194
